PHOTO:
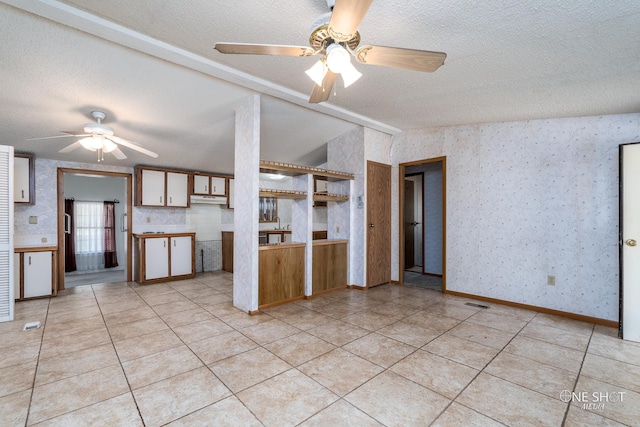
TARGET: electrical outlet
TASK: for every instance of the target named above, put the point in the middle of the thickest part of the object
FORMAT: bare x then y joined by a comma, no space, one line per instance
337,228
148,220
551,280
43,240
33,220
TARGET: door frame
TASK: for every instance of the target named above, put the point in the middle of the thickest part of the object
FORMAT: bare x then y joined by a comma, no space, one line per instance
421,210
401,174
129,196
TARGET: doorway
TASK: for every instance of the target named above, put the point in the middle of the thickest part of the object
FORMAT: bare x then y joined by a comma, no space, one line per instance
422,223
94,227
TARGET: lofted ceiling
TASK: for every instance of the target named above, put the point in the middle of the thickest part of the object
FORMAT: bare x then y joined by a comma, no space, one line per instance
151,67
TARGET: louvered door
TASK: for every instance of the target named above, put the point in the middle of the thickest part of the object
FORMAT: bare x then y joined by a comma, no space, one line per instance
6,234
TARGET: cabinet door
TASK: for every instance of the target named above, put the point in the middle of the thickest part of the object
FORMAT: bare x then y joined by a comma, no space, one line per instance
218,186
201,184
37,274
177,189
153,188
286,237
21,180
230,200
156,258
274,238
181,256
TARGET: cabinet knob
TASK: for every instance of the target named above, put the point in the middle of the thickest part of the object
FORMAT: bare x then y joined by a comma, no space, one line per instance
631,242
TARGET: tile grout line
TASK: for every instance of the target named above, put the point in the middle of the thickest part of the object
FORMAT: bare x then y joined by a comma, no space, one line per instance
575,383
35,372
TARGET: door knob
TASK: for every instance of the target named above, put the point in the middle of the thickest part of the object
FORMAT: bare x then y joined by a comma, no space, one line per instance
631,242
370,225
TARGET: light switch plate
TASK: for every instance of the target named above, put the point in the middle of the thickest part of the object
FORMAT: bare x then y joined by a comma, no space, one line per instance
33,220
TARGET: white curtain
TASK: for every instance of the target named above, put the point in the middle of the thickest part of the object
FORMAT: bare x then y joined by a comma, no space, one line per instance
89,222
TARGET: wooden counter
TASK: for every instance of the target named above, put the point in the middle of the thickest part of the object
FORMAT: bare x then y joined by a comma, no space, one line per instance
280,273
330,261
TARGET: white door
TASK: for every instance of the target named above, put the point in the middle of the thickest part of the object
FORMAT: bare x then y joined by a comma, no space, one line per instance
152,188
156,258
21,183
177,189
37,274
218,186
201,184
629,240
6,234
181,256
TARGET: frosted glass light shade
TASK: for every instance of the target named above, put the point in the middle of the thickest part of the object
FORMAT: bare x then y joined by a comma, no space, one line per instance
317,72
350,74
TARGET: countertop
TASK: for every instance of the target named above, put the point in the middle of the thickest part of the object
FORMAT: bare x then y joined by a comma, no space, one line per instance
271,246
161,234
329,241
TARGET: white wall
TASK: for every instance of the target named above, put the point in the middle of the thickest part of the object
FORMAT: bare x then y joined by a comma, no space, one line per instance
526,200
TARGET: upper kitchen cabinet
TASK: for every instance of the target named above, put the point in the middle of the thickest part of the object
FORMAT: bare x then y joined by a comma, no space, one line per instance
24,185
161,188
209,185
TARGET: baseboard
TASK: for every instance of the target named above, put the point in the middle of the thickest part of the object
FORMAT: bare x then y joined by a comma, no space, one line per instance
394,282
544,310
327,291
432,274
357,288
273,304
254,312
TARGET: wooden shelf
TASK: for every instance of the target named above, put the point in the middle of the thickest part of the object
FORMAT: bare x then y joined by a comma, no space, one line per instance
282,194
324,197
292,170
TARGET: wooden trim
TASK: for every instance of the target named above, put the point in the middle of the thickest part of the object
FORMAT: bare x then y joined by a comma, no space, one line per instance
327,291
328,242
276,246
253,312
544,310
129,196
36,249
357,288
273,304
395,282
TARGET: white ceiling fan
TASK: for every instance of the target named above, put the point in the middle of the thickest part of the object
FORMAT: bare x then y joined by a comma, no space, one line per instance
100,138
335,36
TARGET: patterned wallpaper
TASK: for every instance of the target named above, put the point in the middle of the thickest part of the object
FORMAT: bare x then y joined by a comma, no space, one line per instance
526,200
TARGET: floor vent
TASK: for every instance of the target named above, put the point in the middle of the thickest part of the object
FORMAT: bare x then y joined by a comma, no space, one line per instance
476,305
31,325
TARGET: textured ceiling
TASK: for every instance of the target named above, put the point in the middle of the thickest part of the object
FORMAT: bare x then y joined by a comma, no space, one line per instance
150,65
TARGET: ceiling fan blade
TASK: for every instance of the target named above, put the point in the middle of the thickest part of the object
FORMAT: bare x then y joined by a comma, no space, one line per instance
322,93
410,59
131,145
263,49
66,135
70,148
118,154
346,18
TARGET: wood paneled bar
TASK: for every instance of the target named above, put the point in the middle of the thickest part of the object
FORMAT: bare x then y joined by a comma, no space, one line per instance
280,273
330,263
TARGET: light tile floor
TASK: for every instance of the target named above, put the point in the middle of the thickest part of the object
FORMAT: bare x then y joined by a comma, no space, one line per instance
179,354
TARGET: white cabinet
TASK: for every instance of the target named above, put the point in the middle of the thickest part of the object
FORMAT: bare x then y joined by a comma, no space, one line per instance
162,188
201,184
156,258
230,196
177,189
23,176
181,256
164,257
208,185
275,238
152,188
34,273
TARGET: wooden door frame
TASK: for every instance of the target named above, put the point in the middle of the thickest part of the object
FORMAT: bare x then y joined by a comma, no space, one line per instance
129,196
401,174
421,210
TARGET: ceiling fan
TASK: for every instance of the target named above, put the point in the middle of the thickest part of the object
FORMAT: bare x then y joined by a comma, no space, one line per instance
100,138
335,36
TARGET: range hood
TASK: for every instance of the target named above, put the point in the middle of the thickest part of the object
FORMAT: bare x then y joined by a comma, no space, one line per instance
209,200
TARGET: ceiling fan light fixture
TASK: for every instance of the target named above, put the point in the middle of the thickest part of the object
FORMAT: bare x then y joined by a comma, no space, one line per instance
91,143
317,72
108,146
337,58
350,75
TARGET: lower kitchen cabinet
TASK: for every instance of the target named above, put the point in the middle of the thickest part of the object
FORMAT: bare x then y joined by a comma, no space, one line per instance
329,271
34,272
163,257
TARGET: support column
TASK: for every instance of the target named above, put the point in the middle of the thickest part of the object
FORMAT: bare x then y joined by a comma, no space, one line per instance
302,225
247,182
